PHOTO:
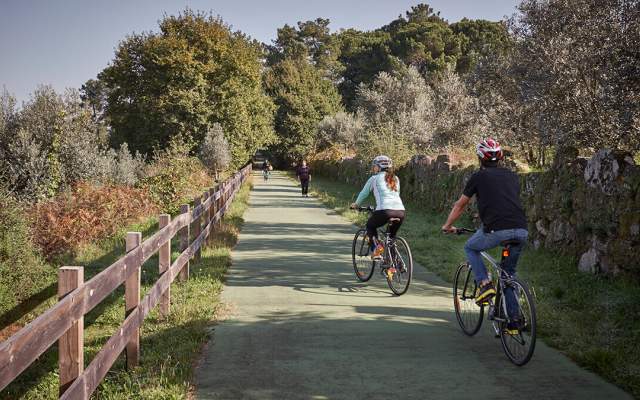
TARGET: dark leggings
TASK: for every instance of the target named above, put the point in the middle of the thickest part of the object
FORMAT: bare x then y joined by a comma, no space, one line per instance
380,217
305,185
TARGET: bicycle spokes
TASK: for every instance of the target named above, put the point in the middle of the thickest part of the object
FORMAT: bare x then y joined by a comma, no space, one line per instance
468,313
519,334
362,264
399,265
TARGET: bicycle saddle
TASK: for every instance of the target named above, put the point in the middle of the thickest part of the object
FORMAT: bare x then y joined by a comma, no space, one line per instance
510,242
394,220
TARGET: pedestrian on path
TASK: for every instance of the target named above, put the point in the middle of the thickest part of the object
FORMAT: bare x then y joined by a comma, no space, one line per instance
303,173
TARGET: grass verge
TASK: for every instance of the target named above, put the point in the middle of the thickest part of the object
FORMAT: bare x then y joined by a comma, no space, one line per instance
595,320
169,347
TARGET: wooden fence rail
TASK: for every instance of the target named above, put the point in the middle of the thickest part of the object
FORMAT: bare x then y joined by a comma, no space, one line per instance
64,321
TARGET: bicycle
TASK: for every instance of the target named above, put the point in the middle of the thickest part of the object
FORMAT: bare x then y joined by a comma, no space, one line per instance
265,174
518,347
396,264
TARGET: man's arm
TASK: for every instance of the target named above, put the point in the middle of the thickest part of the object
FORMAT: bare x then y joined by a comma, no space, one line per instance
456,212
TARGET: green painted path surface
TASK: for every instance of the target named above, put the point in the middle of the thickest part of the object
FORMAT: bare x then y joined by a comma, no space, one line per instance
301,327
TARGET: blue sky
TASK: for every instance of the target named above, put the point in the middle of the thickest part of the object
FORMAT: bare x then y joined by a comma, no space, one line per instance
66,42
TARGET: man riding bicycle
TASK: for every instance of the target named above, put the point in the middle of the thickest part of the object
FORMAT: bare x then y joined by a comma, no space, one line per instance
386,190
497,192
266,168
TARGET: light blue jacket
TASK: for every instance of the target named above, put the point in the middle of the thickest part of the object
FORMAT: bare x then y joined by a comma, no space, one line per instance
386,199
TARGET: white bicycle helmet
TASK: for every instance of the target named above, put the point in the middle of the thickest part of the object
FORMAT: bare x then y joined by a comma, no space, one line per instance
383,162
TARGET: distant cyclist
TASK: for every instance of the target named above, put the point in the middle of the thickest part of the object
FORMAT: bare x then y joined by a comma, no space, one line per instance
497,191
385,186
266,169
303,173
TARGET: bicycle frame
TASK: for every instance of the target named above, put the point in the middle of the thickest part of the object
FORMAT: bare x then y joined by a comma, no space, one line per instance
503,278
383,237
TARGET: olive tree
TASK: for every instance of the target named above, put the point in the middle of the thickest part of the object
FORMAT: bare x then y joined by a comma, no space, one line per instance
214,150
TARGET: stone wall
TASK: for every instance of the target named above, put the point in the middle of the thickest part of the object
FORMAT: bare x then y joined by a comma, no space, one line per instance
588,208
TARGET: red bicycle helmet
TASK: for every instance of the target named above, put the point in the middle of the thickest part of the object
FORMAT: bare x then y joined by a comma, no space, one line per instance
489,150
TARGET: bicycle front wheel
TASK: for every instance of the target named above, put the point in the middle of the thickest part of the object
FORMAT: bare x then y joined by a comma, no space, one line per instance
468,313
361,256
400,268
519,346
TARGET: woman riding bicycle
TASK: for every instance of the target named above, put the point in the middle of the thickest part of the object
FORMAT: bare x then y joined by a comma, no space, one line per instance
386,190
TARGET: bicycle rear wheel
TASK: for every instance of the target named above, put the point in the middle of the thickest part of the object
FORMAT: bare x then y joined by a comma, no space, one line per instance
400,267
468,313
519,347
361,256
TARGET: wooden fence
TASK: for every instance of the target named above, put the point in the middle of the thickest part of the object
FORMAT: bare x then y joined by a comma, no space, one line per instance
64,321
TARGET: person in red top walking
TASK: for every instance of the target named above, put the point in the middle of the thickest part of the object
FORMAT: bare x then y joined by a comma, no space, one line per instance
303,173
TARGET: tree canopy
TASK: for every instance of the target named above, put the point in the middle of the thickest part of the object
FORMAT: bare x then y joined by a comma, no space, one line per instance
303,97
179,81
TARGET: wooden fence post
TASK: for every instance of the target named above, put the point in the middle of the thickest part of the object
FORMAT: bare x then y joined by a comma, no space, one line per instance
184,243
131,300
205,216
225,195
71,343
219,201
197,227
212,213
164,257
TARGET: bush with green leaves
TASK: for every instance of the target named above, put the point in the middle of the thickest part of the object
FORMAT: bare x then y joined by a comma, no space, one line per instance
22,270
174,176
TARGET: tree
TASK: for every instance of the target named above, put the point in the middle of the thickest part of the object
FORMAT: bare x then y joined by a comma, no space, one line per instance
421,39
303,98
94,94
480,39
424,40
579,67
341,129
364,55
181,80
311,40
214,150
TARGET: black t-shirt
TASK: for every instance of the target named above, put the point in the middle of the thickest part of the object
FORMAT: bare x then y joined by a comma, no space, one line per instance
304,173
498,193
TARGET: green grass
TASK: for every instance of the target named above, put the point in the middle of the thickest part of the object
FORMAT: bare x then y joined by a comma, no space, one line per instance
169,348
595,320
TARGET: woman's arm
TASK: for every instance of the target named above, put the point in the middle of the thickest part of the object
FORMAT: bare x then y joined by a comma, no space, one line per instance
364,193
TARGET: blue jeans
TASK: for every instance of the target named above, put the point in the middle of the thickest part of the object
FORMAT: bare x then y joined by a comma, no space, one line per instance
481,241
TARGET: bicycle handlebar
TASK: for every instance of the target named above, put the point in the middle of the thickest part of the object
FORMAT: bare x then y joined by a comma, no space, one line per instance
461,231
364,209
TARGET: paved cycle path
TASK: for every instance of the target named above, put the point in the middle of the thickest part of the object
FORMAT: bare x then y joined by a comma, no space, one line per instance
301,327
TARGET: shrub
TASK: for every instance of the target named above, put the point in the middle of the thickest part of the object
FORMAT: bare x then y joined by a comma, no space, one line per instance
85,214
175,177
122,167
22,270
53,143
